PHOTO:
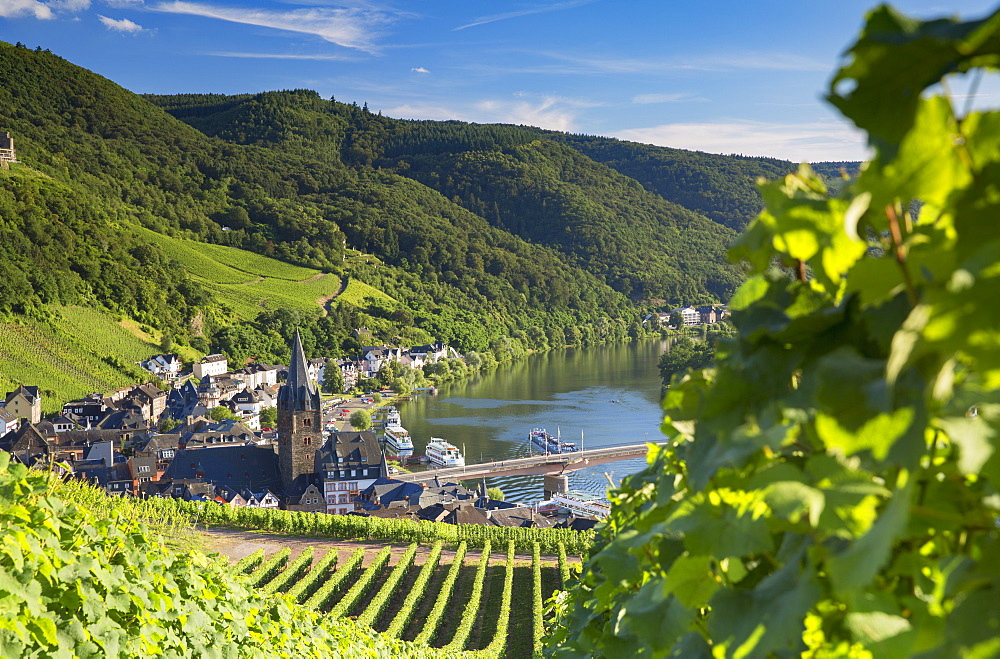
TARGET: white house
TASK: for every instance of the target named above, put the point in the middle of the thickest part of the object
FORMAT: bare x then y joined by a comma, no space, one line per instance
210,365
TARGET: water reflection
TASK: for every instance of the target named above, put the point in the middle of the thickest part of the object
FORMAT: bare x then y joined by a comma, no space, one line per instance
606,394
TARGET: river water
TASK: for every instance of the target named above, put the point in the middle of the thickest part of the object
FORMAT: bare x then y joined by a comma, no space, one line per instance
609,393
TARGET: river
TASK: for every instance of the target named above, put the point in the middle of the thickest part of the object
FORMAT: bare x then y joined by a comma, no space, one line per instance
609,393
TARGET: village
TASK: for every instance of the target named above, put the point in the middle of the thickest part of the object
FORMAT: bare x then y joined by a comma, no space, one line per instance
260,436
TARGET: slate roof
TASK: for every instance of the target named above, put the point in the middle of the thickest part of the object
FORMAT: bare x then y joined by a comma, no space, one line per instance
239,467
299,393
355,449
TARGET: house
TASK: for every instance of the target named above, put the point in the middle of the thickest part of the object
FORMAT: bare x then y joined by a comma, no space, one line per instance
27,444
8,421
210,365
183,402
230,497
24,403
143,470
309,500
689,316
348,463
86,411
145,399
707,315
261,499
241,467
165,367
254,376
7,153
247,405
62,423
430,353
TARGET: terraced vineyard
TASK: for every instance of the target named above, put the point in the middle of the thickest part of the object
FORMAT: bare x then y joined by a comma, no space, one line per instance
246,282
68,355
481,602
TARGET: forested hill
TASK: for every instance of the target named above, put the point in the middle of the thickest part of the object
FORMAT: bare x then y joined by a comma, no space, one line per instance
518,179
475,231
98,160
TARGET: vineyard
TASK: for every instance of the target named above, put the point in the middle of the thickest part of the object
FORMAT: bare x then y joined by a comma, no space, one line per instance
460,601
246,282
68,354
376,529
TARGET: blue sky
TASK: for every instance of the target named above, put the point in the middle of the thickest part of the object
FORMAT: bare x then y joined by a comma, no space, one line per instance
716,76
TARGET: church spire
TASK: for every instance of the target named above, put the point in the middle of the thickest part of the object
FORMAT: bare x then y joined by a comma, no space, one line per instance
299,392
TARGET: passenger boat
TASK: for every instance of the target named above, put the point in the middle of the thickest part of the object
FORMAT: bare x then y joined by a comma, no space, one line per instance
392,417
546,443
444,454
398,437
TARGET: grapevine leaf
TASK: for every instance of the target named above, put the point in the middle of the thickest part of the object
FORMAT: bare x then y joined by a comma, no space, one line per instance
767,619
856,566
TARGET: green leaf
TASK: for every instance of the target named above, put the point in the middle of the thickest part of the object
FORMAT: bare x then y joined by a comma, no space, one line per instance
856,566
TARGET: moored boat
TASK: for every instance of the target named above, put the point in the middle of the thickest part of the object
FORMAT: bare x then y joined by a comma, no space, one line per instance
398,437
444,454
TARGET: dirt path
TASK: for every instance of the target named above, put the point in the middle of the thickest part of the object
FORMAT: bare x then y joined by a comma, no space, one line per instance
324,300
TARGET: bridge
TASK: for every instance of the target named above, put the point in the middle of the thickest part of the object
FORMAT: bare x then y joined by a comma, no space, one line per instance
551,464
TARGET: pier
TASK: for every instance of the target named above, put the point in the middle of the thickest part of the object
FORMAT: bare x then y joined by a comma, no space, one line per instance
551,464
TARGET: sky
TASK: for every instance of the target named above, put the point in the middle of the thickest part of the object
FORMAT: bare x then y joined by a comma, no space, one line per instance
718,76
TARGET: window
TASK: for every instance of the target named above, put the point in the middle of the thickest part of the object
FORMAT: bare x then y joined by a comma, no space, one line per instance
307,441
343,498
307,422
342,485
143,469
332,499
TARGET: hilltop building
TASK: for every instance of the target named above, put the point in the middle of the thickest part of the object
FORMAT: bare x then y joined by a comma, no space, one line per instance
7,153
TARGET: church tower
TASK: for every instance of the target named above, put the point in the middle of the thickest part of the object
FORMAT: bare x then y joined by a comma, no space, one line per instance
300,421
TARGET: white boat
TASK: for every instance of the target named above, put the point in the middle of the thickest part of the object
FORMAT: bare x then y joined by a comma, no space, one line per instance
392,417
546,443
444,454
398,437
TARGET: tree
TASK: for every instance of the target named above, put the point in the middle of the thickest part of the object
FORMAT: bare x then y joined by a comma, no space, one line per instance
676,320
333,378
222,413
495,493
685,354
831,487
168,423
268,417
361,420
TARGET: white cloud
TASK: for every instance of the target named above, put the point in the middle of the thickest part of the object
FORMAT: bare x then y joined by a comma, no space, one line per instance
118,4
419,69
524,12
646,99
550,112
17,8
121,25
69,5
351,28
804,142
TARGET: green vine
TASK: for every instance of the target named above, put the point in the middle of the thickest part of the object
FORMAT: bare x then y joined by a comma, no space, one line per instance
830,488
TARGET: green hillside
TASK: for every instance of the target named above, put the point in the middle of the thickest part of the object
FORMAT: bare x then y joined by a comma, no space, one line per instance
517,179
224,221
